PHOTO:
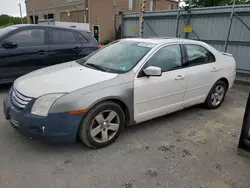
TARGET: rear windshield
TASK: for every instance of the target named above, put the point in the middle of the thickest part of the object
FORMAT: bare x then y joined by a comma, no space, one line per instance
4,31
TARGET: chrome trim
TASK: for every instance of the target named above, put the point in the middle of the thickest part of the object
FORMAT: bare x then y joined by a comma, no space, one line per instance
18,99
15,123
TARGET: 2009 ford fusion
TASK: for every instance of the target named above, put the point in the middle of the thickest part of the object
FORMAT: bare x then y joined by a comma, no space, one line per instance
124,83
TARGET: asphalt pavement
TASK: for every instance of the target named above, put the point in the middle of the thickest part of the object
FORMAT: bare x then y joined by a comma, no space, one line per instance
193,148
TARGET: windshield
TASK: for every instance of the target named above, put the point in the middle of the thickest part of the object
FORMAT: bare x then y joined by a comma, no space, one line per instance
118,57
4,31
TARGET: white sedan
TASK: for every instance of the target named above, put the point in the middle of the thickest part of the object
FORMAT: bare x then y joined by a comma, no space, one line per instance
124,83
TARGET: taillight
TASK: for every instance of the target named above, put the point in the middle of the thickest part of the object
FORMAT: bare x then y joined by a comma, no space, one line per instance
100,46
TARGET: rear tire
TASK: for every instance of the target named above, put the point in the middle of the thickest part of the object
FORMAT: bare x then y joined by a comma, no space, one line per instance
216,95
102,125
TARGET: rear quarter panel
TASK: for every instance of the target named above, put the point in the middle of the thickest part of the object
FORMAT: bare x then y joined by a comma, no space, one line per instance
227,66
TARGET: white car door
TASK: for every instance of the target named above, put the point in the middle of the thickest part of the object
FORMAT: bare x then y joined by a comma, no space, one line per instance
157,96
202,73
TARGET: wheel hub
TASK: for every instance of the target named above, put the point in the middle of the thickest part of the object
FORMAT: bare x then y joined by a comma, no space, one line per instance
216,95
105,126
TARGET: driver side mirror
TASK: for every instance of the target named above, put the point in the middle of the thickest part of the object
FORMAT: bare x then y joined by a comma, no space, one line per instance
153,71
9,45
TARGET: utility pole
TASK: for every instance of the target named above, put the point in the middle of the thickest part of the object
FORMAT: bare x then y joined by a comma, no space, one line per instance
178,20
230,25
190,3
20,8
34,20
141,19
114,19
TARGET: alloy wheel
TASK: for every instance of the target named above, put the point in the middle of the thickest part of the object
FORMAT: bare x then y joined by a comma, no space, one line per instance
217,95
105,126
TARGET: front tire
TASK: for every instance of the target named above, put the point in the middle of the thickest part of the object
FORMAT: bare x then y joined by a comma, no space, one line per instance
102,125
216,95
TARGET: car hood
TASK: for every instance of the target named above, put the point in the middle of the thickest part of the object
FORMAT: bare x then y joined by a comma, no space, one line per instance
62,78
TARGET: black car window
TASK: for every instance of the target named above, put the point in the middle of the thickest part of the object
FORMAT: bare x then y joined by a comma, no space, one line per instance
28,37
198,55
81,38
90,37
63,37
167,58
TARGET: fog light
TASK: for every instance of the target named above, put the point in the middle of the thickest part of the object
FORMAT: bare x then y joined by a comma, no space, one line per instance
43,129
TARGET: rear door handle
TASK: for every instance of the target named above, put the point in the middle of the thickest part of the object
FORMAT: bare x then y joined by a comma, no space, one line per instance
42,52
77,49
179,77
214,69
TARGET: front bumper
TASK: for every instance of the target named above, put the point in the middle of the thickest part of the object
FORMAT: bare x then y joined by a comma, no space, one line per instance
55,128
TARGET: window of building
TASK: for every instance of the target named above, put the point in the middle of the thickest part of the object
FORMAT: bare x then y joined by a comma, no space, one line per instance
48,16
171,7
130,4
28,37
198,55
167,58
63,37
34,19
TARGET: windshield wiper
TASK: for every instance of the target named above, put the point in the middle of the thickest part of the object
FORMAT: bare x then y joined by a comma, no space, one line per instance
95,66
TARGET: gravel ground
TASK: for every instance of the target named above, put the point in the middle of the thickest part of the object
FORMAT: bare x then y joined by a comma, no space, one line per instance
194,148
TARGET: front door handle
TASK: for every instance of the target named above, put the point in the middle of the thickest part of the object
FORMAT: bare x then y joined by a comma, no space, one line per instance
179,77
42,52
214,69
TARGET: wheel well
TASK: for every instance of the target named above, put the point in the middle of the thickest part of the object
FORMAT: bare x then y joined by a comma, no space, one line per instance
124,108
225,81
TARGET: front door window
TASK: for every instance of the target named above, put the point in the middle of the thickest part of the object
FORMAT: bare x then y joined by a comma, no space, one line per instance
167,58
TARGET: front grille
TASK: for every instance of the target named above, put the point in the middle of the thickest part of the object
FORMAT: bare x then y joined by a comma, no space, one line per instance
18,99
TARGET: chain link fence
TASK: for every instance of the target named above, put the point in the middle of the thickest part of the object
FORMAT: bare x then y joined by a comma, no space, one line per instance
211,25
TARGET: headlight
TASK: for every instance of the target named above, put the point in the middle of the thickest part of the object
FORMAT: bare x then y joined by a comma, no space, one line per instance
43,104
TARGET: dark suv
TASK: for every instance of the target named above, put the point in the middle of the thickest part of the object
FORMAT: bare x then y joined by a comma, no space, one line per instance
25,48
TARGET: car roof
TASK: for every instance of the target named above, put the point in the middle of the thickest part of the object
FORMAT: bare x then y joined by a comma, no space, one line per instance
51,26
160,40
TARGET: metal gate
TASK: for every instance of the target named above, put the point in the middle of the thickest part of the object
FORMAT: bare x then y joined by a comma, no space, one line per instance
227,28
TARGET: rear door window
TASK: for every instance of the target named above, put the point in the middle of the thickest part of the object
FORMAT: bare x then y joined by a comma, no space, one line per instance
63,37
82,38
198,55
90,37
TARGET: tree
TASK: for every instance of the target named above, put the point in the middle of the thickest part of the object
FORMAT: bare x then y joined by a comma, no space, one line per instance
210,3
10,20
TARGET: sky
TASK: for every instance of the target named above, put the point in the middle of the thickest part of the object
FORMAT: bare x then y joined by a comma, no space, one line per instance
10,7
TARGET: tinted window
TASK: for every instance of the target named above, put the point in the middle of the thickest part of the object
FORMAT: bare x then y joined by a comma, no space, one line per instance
28,37
167,58
199,55
63,37
81,38
90,37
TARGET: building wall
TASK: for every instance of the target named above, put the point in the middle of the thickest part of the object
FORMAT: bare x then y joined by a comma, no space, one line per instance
102,13
95,12
165,5
56,7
